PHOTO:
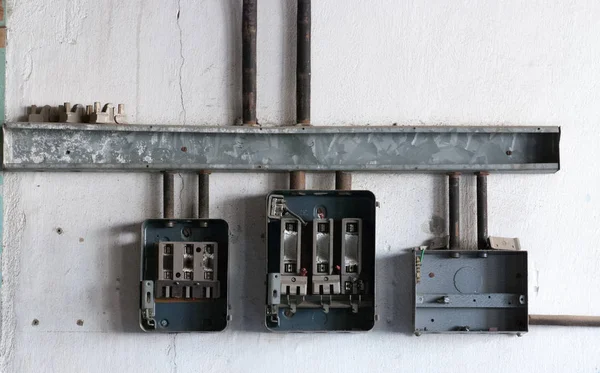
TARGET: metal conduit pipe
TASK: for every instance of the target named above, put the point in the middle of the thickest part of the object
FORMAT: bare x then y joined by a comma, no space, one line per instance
343,180
298,178
203,195
454,210
303,63
249,15
168,195
482,211
564,320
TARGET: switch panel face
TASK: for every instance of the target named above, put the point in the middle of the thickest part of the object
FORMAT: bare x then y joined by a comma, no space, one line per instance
470,291
187,270
320,260
184,269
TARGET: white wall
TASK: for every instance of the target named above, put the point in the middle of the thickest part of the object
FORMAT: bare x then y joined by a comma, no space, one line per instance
432,62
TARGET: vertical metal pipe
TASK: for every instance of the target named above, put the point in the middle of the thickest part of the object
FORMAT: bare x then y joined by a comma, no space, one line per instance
482,211
343,180
454,210
297,180
249,14
303,63
168,195
203,195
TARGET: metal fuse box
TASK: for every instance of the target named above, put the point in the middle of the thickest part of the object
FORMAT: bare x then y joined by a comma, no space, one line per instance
184,275
320,261
470,291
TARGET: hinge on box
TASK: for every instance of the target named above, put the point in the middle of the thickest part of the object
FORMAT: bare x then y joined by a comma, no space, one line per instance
148,307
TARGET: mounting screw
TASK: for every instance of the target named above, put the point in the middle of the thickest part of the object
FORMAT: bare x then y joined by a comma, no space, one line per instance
186,232
80,322
509,152
164,323
35,322
293,279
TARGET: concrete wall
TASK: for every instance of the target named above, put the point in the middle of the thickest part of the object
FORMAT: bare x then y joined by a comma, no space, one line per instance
379,62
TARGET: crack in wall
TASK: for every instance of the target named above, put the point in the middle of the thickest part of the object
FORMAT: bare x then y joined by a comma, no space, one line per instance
174,353
183,111
14,231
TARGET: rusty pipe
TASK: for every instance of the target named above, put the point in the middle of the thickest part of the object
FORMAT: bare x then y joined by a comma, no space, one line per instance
303,63
297,180
168,195
482,211
203,195
343,180
249,15
454,210
564,320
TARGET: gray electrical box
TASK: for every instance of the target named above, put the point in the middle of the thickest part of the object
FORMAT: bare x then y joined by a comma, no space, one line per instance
184,275
470,291
320,261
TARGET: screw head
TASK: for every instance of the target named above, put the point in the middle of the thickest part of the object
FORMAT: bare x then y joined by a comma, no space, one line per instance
293,279
164,323
186,232
80,322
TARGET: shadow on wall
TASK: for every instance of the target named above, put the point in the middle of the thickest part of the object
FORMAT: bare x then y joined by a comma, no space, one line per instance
124,297
247,255
395,288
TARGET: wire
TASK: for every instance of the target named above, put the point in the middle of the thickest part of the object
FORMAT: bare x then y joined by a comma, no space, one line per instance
285,209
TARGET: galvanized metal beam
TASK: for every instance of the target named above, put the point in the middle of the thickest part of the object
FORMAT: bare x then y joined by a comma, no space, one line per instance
103,147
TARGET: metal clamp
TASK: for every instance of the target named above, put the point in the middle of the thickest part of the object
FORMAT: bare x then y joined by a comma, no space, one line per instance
148,306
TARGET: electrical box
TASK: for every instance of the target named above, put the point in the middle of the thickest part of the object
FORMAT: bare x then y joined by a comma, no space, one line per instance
470,291
184,275
320,261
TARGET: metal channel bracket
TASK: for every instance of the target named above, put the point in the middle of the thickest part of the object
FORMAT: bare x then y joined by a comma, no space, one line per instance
112,147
